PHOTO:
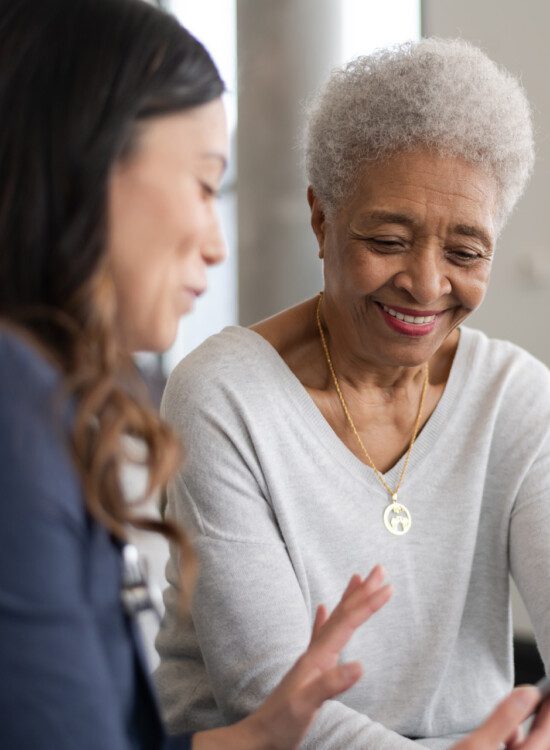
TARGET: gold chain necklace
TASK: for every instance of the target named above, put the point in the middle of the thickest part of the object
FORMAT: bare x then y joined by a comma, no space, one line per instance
397,517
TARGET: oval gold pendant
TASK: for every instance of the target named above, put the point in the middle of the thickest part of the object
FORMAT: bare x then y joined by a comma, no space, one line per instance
397,519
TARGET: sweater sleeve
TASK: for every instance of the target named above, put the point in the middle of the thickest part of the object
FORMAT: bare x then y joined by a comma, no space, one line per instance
530,519
249,614
530,547
56,690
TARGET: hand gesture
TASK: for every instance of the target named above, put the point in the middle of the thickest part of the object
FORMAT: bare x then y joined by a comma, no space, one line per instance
283,719
504,725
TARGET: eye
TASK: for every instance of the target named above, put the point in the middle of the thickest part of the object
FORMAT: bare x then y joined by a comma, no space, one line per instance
464,256
386,245
208,191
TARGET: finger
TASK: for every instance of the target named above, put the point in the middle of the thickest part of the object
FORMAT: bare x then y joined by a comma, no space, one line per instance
371,583
374,579
541,715
355,595
514,741
342,624
359,589
354,582
321,616
329,684
504,720
539,734
361,604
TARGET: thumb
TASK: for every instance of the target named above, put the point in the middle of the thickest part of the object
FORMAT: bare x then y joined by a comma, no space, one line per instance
330,683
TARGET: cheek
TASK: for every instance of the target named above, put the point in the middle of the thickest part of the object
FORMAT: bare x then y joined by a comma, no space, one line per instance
369,272
472,286
353,263
153,312
147,299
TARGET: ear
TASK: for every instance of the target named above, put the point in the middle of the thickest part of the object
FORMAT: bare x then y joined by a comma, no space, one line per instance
317,220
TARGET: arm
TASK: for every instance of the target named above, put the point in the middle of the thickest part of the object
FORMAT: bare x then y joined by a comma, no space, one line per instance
530,544
250,615
259,732
283,719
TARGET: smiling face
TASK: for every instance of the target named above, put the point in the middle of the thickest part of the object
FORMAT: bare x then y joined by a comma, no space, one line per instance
408,257
163,225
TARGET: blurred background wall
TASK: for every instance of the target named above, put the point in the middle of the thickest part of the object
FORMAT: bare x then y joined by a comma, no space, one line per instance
273,54
516,36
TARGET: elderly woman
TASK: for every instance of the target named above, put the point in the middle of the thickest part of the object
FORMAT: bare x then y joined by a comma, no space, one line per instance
369,425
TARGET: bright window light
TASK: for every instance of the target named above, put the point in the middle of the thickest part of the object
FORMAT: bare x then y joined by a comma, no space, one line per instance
219,38
368,25
218,307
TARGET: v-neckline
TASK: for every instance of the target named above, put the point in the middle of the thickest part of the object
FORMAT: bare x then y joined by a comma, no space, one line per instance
327,437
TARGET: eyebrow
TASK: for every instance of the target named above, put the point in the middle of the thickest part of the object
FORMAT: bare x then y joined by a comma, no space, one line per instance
476,232
391,217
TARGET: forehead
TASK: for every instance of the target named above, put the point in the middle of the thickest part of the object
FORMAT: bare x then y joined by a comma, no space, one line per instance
426,187
196,134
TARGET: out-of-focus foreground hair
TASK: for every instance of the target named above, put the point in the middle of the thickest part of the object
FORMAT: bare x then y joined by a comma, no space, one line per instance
441,94
77,79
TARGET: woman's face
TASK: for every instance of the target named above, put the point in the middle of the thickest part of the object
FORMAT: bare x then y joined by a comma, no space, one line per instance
408,257
163,225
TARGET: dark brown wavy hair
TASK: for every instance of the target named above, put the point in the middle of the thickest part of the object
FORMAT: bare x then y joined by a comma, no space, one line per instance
77,78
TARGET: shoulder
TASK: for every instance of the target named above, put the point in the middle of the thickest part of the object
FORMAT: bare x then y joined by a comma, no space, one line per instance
233,361
28,380
35,461
508,390
505,363
23,364
28,383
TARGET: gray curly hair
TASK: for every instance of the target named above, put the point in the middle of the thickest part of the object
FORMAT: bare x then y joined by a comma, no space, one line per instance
442,94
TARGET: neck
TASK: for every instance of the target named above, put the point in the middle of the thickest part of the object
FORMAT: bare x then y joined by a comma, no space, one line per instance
354,365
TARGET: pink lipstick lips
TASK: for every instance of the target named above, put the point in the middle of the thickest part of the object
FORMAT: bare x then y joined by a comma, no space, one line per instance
407,321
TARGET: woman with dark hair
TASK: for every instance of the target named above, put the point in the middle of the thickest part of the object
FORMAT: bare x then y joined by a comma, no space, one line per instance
113,144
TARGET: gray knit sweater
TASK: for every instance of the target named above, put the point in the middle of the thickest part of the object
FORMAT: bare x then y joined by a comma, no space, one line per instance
282,513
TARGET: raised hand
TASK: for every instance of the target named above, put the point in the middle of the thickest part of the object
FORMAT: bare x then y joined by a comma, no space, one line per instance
283,719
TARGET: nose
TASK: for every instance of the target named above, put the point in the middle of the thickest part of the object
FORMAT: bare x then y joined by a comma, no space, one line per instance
425,275
214,248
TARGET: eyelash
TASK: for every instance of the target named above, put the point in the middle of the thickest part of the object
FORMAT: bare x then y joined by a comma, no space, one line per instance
460,257
208,191
463,257
387,245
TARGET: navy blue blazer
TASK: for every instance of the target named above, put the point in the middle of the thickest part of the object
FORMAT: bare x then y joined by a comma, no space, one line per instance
72,671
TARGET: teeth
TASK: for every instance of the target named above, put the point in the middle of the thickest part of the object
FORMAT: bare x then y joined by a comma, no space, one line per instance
416,320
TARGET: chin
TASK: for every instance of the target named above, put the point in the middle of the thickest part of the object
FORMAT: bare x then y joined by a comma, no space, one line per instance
163,343
414,353
157,342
